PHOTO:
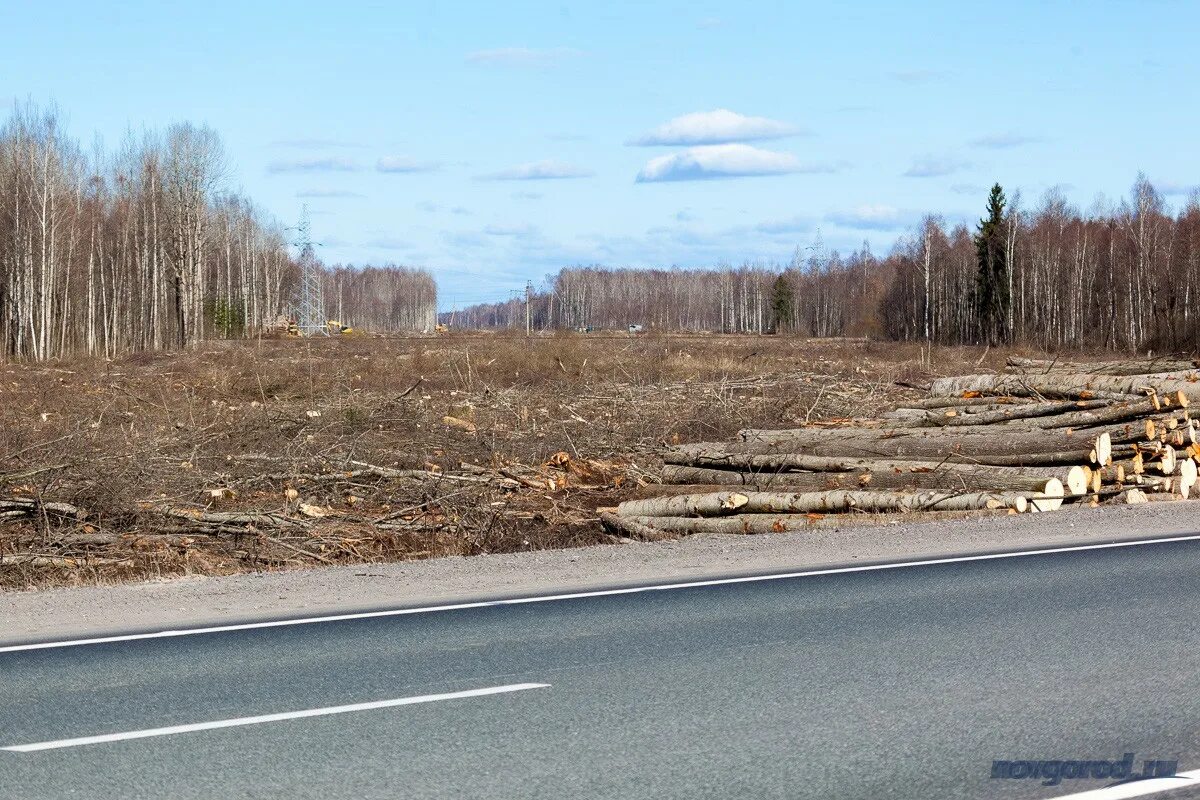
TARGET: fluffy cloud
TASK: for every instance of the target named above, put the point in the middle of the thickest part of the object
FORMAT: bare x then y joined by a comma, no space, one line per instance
1002,141
405,164
314,164
522,56
539,171
715,127
934,167
718,161
869,218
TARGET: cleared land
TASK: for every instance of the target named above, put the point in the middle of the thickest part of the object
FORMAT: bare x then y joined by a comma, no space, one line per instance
282,453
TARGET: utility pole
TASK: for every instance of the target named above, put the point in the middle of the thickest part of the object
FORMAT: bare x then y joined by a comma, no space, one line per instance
528,313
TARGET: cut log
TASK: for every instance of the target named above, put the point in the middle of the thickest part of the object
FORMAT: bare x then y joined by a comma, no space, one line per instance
1187,477
1132,366
685,505
836,501
911,443
963,402
1164,497
1156,483
739,524
1131,497
1068,385
1116,412
266,519
1167,461
956,477
1014,449
1032,413
632,528
20,507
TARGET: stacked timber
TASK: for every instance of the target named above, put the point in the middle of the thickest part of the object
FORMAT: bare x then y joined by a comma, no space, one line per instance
1042,436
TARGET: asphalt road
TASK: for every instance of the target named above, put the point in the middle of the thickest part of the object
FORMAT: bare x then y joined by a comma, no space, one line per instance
902,683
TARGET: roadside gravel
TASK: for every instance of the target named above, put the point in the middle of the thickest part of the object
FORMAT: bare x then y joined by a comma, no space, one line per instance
46,614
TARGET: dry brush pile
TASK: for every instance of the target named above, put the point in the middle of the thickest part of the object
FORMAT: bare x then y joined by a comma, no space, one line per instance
1041,436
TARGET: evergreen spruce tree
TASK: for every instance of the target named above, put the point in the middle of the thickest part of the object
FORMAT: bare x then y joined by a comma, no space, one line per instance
782,301
991,284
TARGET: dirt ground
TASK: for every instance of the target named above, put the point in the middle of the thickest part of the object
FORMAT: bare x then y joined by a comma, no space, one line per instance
275,454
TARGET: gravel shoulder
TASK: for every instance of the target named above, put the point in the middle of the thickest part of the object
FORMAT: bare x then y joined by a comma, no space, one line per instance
54,613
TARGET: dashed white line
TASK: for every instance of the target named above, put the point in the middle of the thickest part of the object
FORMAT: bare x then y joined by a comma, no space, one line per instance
1181,780
518,601
259,720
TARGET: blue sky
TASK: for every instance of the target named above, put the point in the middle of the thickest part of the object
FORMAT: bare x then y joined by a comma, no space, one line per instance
496,142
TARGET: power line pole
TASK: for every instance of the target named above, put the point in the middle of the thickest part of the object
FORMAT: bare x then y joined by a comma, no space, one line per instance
528,313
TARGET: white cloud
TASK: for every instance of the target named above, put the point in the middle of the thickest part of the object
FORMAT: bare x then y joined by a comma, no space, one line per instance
935,167
510,230
969,188
539,171
1003,141
718,161
315,164
522,56
326,193
715,127
869,218
405,164
1172,188
790,225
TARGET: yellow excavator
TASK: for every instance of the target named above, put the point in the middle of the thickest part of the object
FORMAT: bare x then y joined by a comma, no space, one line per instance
332,327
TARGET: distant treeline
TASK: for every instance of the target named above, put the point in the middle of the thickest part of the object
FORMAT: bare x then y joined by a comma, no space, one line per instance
145,248
387,298
1118,277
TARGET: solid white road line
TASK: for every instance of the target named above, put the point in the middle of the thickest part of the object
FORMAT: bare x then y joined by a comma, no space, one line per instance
1181,780
286,715
518,601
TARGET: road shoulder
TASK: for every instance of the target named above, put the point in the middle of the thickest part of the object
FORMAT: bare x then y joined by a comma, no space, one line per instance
189,602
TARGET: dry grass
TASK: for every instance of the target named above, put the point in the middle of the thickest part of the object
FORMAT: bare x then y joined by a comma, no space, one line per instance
153,448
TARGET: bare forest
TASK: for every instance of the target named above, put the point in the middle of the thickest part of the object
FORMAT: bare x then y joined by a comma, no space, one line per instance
143,247
1121,276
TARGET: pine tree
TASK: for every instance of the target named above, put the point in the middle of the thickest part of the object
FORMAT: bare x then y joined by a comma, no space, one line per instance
991,284
782,301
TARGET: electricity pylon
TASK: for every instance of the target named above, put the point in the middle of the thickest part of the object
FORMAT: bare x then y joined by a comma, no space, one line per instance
311,313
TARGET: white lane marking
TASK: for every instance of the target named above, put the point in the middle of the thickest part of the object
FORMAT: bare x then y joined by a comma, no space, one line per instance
286,715
1181,780
518,601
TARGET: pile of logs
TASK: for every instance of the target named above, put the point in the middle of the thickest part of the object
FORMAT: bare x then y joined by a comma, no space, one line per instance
1041,436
